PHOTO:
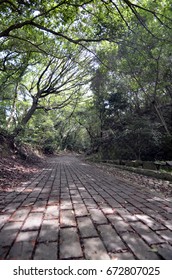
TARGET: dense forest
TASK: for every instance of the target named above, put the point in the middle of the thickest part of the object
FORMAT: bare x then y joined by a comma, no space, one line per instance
90,76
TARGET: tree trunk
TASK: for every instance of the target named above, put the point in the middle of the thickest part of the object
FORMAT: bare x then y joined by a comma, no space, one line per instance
26,118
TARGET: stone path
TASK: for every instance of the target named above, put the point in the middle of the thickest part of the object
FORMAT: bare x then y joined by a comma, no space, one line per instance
73,210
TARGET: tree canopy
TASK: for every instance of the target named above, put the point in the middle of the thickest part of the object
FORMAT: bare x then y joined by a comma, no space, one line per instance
88,75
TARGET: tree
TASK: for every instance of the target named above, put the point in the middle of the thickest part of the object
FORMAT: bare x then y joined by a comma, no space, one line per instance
43,68
49,86
133,98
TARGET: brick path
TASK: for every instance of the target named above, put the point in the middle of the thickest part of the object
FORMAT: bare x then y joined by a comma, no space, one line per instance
72,210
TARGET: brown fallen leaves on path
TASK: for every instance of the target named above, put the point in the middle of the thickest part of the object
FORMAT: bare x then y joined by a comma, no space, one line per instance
13,171
161,186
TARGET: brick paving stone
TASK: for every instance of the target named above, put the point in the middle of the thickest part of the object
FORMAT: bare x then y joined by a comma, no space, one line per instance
94,249
122,256
153,224
141,194
113,203
70,246
55,191
49,231
73,188
85,195
94,192
10,196
165,251
139,248
111,239
153,206
46,251
135,203
166,234
120,199
39,207
9,233
97,216
146,233
33,221
99,199
139,199
28,202
104,194
90,203
161,205
25,236
151,213
80,210
21,250
32,197
81,189
67,218
119,224
126,215
168,224
169,200
20,198
66,204
53,199
42,196
7,201
3,252
76,200
64,191
86,227
133,210
167,209
65,196
106,209
166,216
3,219
74,192
11,207
20,214
52,212
124,195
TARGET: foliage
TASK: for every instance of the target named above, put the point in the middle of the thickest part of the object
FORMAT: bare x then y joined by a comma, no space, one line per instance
89,75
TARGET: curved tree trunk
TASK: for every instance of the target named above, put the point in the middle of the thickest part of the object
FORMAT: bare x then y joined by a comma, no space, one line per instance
26,118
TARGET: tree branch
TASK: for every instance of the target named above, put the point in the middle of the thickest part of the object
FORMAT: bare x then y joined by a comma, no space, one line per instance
29,42
15,26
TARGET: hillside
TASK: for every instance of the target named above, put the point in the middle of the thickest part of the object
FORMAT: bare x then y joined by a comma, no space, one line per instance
15,167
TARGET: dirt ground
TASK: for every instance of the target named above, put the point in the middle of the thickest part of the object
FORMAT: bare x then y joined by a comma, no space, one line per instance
13,171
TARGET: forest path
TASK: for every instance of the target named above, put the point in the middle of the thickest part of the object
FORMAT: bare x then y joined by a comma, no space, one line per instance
73,210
